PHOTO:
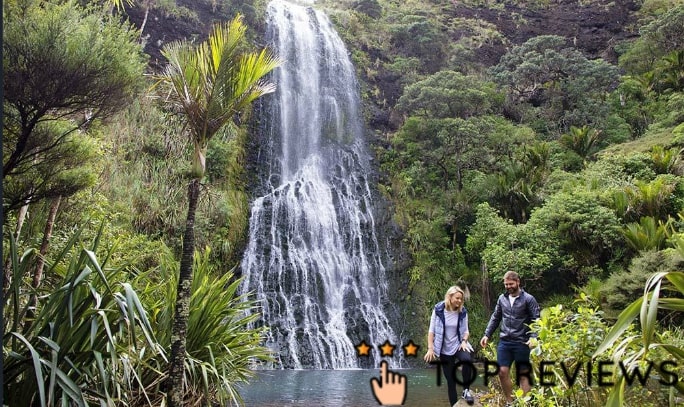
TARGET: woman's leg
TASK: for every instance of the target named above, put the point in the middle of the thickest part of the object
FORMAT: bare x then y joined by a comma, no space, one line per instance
448,364
466,368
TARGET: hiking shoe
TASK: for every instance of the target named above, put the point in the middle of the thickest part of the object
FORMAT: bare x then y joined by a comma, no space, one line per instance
468,396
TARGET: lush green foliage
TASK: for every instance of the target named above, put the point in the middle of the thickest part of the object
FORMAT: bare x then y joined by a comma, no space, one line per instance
64,66
101,329
553,86
89,339
651,343
564,170
144,181
523,183
221,345
583,360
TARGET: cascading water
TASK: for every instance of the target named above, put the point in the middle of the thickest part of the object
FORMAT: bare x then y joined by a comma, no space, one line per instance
313,260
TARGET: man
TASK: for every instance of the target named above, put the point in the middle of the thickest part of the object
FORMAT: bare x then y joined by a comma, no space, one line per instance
517,310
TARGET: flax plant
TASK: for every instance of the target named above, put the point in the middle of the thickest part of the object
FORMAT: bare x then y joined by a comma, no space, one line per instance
621,347
88,340
221,345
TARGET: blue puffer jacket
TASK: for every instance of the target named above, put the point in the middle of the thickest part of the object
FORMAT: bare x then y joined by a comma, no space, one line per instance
439,327
514,320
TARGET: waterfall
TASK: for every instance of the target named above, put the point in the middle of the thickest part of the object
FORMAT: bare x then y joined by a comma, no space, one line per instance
313,260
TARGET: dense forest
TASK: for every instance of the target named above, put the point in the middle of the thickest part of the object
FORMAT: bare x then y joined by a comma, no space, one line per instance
535,136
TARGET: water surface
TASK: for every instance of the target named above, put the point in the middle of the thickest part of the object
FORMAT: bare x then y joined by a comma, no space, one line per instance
338,388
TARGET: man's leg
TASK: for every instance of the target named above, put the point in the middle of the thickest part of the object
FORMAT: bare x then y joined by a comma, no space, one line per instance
523,367
525,384
504,357
506,384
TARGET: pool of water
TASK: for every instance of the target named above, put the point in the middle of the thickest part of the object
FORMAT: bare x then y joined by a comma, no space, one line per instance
339,388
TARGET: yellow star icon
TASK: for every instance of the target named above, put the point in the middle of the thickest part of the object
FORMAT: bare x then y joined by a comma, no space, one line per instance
411,349
362,349
387,348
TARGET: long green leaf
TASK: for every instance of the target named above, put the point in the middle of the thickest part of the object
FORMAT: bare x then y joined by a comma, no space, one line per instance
70,288
679,386
617,394
134,303
37,368
621,325
104,377
675,351
53,374
70,387
677,280
96,265
674,304
648,324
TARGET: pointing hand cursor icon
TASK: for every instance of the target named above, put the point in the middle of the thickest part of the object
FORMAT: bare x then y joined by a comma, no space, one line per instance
390,390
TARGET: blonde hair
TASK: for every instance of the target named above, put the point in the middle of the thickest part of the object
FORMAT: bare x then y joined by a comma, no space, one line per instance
453,290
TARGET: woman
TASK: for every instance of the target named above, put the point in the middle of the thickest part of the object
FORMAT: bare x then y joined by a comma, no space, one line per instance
448,339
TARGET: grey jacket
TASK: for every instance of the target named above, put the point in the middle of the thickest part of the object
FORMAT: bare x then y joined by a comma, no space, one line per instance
514,320
439,325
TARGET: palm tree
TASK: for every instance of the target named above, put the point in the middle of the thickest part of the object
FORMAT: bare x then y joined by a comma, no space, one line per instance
210,86
582,140
648,234
665,160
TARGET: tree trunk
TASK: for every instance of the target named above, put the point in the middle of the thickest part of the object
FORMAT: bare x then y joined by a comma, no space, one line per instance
7,270
486,289
182,311
38,274
47,235
147,13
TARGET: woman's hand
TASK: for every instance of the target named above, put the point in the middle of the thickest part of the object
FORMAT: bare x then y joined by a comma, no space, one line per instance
430,355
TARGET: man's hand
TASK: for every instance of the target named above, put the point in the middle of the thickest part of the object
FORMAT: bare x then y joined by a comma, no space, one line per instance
532,343
483,342
390,390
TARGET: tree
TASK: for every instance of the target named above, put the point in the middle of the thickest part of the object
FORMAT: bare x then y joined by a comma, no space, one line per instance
517,181
586,232
64,67
660,37
554,84
449,94
582,140
210,86
499,244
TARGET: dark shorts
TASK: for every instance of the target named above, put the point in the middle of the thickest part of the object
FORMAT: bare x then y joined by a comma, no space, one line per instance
508,352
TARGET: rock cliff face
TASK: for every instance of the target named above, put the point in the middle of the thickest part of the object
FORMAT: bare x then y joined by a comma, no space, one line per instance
190,19
594,26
